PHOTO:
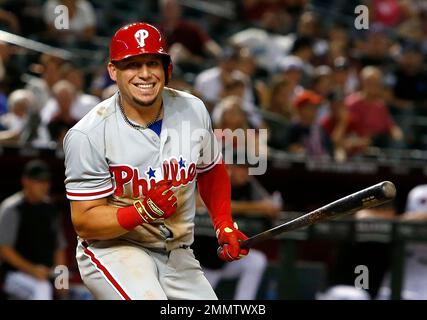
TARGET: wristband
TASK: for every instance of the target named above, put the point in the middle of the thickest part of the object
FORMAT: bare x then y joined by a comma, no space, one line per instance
129,218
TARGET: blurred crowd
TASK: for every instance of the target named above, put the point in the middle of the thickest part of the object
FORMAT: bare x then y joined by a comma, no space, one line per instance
321,87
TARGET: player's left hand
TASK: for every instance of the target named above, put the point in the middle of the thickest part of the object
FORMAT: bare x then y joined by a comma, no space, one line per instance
229,238
159,203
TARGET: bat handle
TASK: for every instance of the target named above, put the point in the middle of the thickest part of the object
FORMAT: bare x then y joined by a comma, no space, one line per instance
245,244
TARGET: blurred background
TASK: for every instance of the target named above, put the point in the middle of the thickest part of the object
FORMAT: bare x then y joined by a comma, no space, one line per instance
344,108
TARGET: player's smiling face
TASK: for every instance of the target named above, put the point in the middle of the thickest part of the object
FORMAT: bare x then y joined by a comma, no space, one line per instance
140,79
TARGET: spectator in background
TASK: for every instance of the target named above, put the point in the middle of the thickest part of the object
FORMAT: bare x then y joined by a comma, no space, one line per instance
341,129
408,94
41,87
52,107
412,20
423,40
266,41
414,285
275,21
31,239
410,78
279,112
233,131
303,49
74,75
4,55
20,103
322,80
321,84
82,22
3,103
374,48
344,78
179,81
310,26
236,87
416,205
338,42
306,136
248,65
62,118
248,196
281,97
49,71
229,114
210,83
27,17
101,80
84,102
272,42
231,127
369,112
10,72
188,43
292,69
385,12
254,11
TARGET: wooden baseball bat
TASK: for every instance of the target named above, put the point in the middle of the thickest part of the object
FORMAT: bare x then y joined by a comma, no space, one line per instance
363,199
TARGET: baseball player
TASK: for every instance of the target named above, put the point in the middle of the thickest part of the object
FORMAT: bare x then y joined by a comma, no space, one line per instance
131,169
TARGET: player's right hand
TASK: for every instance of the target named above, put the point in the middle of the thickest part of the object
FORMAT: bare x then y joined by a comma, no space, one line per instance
229,238
159,203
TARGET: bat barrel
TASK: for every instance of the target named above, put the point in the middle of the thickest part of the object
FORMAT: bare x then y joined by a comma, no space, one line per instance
370,197
389,189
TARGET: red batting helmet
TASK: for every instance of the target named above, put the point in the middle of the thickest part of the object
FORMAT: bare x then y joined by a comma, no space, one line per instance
139,38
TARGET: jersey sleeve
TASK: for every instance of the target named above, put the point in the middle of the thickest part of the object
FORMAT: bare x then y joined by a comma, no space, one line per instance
9,220
87,174
210,153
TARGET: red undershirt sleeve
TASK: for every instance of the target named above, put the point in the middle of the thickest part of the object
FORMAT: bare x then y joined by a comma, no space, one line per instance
215,191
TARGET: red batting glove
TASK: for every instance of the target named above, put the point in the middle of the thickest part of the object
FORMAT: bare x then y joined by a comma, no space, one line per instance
158,203
228,239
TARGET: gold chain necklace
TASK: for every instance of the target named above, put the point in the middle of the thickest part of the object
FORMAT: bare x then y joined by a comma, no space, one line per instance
137,126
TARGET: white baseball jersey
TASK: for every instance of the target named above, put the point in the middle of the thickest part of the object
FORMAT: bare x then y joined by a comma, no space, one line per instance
106,157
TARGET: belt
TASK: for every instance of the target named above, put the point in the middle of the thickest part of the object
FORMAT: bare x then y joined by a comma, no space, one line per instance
183,246
165,232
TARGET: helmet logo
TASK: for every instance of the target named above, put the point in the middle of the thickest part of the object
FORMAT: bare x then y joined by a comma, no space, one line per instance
140,37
